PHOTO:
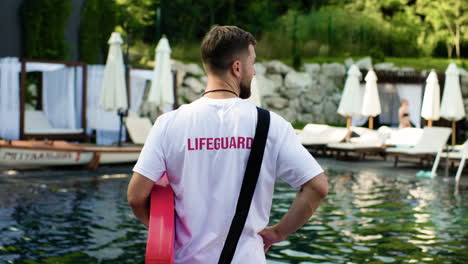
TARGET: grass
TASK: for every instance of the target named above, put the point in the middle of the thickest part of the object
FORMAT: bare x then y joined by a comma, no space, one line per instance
190,53
298,125
439,64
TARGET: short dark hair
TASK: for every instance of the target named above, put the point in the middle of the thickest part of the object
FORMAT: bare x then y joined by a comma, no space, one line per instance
222,45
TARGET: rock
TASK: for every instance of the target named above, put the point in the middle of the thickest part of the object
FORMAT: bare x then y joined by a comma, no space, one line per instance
180,99
365,63
348,62
386,66
276,102
180,72
329,111
276,66
194,69
295,105
306,118
177,65
259,69
307,103
297,80
336,98
334,69
318,115
266,86
326,86
312,68
189,94
329,108
464,82
180,78
406,69
195,84
287,114
277,79
315,93
204,80
295,84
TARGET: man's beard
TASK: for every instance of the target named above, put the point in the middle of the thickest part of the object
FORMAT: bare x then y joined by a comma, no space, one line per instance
245,91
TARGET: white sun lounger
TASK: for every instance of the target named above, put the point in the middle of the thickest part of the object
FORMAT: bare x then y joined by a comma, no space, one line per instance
464,156
368,138
457,153
138,128
36,123
408,136
368,141
321,135
432,141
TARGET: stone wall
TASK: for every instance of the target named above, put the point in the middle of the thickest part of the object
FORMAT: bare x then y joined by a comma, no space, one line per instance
311,95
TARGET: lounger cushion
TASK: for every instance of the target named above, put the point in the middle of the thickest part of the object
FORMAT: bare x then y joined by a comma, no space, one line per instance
36,123
317,134
404,136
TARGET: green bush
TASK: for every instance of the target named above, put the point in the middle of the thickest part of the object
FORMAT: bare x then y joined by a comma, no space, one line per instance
44,23
335,31
98,21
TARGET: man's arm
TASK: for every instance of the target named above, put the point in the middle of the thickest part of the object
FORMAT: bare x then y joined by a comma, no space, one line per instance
304,205
138,194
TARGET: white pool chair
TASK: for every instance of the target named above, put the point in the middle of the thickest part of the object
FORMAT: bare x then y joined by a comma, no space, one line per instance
36,123
138,128
368,141
432,141
408,136
464,156
459,152
321,135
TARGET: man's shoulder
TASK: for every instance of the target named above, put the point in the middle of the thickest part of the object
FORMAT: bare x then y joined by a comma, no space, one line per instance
166,117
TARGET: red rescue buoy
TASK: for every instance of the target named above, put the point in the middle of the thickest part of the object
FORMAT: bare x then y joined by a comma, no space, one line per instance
161,232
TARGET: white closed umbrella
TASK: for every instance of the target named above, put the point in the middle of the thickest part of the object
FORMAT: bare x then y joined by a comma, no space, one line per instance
351,100
452,107
431,100
162,85
114,90
255,96
371,102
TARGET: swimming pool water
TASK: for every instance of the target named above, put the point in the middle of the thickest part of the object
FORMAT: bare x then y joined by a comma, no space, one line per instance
78,217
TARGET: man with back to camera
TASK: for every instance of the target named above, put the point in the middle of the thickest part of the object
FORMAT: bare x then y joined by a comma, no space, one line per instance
204,147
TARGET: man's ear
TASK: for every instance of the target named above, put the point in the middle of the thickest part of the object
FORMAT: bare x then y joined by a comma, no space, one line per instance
236,68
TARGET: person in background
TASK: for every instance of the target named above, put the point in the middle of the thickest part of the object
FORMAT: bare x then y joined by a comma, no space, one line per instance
403,114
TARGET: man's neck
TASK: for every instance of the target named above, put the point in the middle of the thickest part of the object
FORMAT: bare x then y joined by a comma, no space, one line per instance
214,84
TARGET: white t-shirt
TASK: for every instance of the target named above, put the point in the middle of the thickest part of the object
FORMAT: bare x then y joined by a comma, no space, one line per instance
204,147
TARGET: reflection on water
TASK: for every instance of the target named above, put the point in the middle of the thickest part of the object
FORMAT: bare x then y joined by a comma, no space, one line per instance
366,218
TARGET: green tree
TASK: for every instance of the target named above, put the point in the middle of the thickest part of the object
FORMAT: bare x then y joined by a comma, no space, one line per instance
98,20
449,20
44,23
134,17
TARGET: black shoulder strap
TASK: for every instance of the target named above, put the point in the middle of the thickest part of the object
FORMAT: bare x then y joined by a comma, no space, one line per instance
248,186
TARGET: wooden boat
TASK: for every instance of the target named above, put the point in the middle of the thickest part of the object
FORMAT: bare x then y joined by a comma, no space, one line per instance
33,154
